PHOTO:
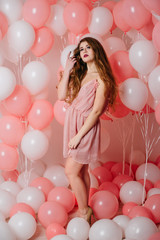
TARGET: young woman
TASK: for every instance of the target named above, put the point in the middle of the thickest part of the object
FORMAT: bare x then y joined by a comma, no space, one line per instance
89,87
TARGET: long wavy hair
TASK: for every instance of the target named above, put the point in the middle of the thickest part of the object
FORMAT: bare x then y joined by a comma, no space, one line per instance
79,71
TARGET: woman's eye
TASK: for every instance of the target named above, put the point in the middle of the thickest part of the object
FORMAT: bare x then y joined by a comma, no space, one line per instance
88,47
81,49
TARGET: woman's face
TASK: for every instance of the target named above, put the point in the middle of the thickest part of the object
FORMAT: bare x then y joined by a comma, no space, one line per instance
86,52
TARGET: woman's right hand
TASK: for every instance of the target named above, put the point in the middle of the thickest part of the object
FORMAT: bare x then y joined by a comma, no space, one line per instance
70,62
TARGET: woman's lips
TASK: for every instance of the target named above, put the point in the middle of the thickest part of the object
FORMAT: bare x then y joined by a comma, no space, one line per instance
85,55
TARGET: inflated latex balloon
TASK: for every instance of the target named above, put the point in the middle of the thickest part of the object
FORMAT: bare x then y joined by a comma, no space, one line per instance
65,52
152,203
153,82
59,111
22,207
122,222
11,187
61,237
54,229
6,232
152,6
152,172
7,201
114,44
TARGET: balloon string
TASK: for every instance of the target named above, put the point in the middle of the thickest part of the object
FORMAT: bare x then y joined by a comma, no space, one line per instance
132,140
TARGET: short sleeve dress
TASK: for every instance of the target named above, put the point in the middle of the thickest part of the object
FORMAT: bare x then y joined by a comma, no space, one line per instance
88,150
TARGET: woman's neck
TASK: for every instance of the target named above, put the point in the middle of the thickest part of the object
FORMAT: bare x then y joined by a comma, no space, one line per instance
91,68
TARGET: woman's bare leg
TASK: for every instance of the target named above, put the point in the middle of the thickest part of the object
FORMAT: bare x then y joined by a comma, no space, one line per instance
86,178
72,170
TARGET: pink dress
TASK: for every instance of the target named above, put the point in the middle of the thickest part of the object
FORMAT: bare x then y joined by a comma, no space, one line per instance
89,148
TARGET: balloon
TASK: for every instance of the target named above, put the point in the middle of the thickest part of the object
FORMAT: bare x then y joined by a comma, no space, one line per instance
3,25
155,236
78,228
157,113
132,191
54,229
11,9
34,144
60,111
56,20
43,43
108,164
153,82
122,222
140,228
22,207
110,5
102,174
31,196
56,175
64,196
8,157
7,86
153,191
101,21
121,179
23,225
40,114
135,14
119,18
152,203
65,52
152,6
133,93
10,175
36,12
140,211
146,183
11,187
105,229
76,17
143,56
122,69
111,187
61,236
147,30
43,184
137,157
11,130
152,172
7,201
35,77
26,177
119,168
21,36
50,212
100,200
114,44
6,232
19,102
127,207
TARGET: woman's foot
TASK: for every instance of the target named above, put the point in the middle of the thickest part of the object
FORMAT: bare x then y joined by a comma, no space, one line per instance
86,214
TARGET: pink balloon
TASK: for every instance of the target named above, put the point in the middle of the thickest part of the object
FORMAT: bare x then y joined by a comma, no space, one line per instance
121,66
19,102
52,2
157,113
76,16
100,200
152,5
43,184
86,2
43,42
155,236
10,175
147,30
127,207
64,196
11,130
152,203
22,207
140,211
8,157
3,25
111,187
119,18
40,114
121,179
54,229
118,168
50,212
135,14
148,184
157,184
102,174
36,12
156,37
120,109
108,164
60,111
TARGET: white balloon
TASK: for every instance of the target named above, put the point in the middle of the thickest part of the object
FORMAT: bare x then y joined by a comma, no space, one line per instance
153,191
113,44
5,232
133,93
61,237
78,228
1,179
10,186
122,221
34,144
94,35
26,177
12,9
140,228
38,167
35,77
105,229
65,52
31,196
151,172
154,82
7,201
7,86
23,225
101,21
56,175
21,36
137,157
143,56
56,20
2,218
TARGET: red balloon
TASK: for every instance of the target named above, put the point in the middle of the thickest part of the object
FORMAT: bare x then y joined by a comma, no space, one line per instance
22,207
148,184
108,165
119,169
3,25
140,211
104,204
102,174
59,109
157,184
127,207
155,236
147,30
111,187
152,203
54,229
122,179
10,175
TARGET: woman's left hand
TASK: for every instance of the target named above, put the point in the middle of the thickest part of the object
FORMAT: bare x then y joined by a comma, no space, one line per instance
73,143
